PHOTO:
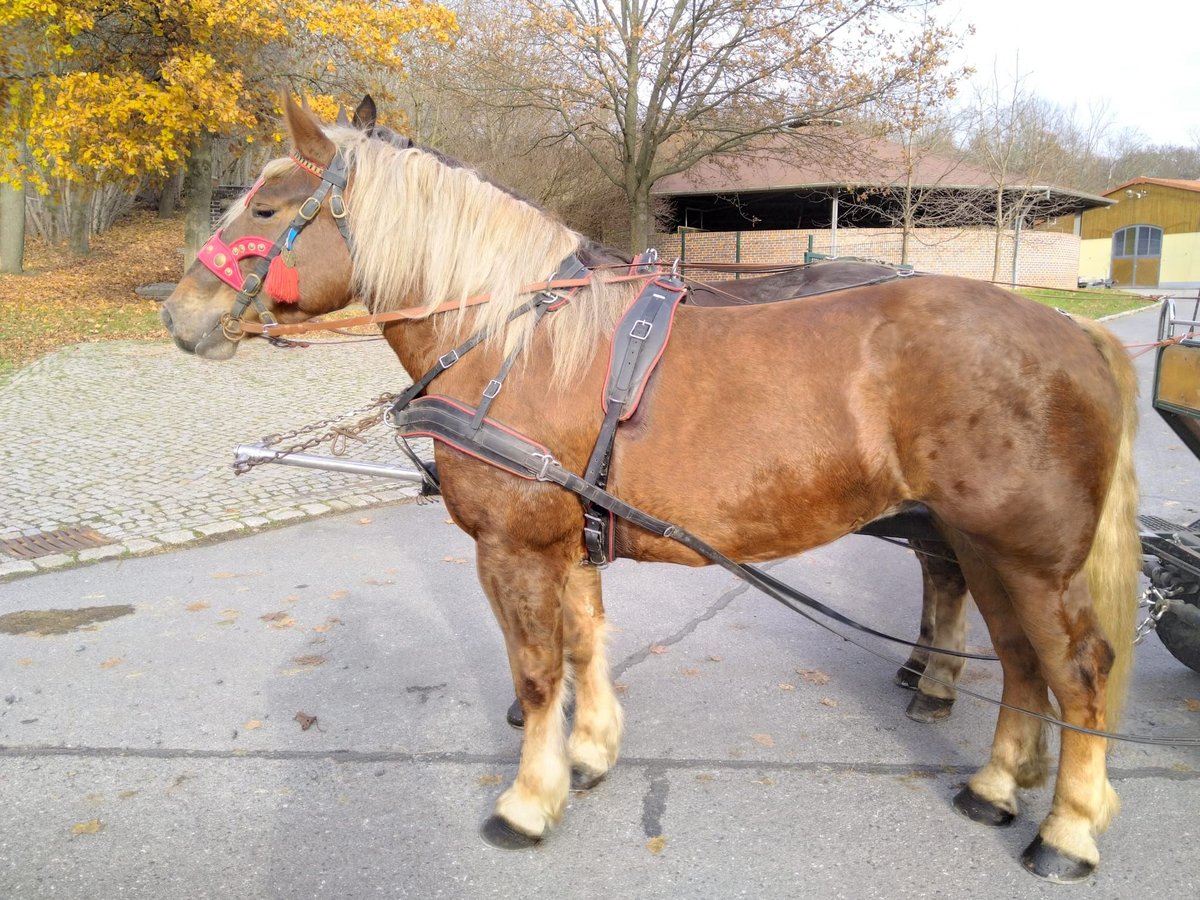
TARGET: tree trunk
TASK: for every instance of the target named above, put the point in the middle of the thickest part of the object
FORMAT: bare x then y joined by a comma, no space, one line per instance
641,221
79,220
12,228
198,190
168,200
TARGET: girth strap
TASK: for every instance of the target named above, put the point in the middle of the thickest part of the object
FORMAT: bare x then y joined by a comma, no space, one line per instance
637,345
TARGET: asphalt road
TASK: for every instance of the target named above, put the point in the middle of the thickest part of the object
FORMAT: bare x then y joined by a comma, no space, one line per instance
157,753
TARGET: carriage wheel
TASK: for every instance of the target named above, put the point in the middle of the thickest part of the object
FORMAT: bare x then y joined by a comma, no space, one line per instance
1179,630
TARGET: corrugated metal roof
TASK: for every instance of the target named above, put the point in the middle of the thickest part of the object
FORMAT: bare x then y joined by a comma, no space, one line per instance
1164,182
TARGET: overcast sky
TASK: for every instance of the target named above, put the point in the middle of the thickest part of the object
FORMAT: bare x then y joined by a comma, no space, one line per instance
1143,56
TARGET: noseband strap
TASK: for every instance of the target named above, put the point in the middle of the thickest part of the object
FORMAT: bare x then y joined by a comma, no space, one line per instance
333,181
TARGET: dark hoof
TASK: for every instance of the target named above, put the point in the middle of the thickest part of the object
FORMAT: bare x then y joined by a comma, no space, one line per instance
515,717
975,808
910,679
584,781
1045,862
927,709
499,833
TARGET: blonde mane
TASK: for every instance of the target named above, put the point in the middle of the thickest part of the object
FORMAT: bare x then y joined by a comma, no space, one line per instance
427,232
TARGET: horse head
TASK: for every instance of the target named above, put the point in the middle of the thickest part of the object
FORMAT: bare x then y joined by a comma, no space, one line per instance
281,254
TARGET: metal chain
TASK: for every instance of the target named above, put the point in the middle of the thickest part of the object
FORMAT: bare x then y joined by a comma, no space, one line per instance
1155,603
339,436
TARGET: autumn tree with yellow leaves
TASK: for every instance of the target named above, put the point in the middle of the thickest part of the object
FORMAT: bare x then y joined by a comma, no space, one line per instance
104,92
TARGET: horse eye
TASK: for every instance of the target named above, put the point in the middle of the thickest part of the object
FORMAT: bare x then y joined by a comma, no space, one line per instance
263,212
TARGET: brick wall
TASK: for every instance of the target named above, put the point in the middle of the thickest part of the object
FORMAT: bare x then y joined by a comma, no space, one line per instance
1046,259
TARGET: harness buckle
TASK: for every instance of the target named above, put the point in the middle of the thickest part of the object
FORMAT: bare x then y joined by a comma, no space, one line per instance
337,206
641,330
252,285
448,359
308,213
548,461
492,389
231,327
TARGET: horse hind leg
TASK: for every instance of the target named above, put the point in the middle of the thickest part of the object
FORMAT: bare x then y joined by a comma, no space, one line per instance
526,593
1077,659
596,736
943,624
1018,756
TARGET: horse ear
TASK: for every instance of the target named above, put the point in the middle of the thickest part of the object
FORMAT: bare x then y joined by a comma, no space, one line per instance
310,141
364,115
342,118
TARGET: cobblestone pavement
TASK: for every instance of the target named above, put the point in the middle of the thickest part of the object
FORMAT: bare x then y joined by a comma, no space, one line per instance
136,441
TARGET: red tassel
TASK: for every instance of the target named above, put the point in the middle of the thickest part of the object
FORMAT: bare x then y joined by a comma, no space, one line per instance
283,282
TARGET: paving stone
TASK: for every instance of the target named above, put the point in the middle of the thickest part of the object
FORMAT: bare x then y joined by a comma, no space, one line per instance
141,545
255,521
53,561
219,527
16,566
177,537
315,509
92,553
285,514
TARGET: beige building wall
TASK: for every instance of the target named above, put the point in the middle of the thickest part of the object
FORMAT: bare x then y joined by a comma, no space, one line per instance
1180,261
1046,259
1095,258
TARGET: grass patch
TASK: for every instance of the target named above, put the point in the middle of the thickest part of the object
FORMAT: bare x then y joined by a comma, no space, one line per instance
62,299
1091,304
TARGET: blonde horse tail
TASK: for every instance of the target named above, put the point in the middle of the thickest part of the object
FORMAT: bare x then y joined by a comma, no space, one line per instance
1114,562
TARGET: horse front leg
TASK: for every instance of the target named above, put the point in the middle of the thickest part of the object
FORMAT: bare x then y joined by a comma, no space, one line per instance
525,589
596,737
943,624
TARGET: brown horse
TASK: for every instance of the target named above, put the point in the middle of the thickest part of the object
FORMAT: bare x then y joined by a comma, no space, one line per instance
1010,421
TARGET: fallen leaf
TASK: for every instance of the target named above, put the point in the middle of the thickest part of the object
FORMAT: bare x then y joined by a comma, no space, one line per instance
692,673
290,598
620,687
365,520
1192,705
656,844
111,663
24,661
765,739
764,780
715,658
488,780
312,659
704,778
339,595
658,648
278,620
327,624
813,676
197,606
457,560
829,701
784,686
125,795
379,582
253,725
306,721
91,826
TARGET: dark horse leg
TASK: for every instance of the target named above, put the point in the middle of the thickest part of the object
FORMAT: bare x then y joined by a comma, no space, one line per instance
943,624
